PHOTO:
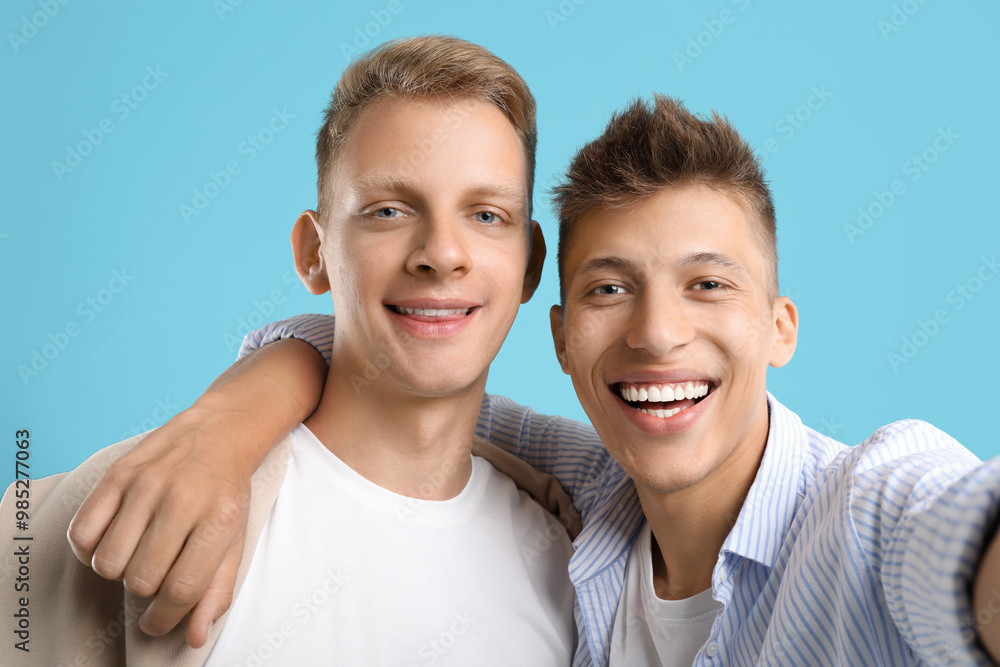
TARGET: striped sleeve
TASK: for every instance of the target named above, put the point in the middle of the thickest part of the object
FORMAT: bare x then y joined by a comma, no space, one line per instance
924,526
317,330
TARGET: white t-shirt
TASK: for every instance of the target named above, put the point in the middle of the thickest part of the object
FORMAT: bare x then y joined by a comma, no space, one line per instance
349,573
651,631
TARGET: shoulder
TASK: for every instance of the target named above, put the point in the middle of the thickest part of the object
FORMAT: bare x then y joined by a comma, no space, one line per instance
60,495
904,452
907,437
893,470
70,603
898,472
909,443
52,502
902,462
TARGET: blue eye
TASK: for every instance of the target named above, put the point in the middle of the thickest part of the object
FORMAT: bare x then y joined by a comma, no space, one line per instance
487,217
386,212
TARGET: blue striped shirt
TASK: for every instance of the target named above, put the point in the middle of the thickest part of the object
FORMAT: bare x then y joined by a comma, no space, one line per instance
840,555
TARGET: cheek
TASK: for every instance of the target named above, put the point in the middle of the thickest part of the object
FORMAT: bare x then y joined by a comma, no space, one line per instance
503,269
741,332
589,334
587,331
357,272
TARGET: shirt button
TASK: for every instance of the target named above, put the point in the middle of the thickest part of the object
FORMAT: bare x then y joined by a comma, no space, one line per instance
712,650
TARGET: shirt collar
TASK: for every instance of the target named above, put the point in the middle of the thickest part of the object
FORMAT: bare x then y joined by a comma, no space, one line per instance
774,497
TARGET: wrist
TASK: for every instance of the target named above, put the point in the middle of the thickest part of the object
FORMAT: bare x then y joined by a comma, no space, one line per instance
230,431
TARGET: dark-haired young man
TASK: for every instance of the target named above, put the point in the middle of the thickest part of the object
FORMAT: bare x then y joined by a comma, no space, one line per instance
725,531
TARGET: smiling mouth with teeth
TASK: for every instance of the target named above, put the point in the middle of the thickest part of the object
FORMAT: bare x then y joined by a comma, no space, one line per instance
662,400
431,312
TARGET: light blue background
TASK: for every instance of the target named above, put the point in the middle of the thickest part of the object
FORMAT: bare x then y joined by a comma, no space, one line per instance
163,338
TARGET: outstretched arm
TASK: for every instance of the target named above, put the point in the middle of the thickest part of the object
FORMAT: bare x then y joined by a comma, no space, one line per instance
927,519
168,517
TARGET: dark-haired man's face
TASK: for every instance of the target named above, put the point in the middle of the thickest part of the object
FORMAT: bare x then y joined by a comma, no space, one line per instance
667,331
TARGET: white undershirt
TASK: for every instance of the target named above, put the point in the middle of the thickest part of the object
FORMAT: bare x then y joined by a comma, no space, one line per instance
348,573
651,631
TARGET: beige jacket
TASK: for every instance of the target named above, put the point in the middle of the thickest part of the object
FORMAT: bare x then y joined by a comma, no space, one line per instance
65,614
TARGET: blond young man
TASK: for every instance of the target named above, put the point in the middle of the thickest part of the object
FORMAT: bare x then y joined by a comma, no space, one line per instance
377,537
725,531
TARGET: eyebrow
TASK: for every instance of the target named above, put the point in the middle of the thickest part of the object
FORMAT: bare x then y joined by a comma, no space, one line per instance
377,181
616,263
499,191
380,181
716,258
626,265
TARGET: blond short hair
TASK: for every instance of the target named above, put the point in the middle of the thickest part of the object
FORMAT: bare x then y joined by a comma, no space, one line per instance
425,67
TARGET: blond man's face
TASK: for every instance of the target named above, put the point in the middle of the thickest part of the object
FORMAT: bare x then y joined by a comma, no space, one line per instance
426,241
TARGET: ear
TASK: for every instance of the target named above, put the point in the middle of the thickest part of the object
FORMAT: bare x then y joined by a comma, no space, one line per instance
536,259
306,246
786,324
556,320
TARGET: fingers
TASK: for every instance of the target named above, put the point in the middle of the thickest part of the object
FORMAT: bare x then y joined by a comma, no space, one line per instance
122,537
194,569
98,510
94,516
156,552
165,519
217,598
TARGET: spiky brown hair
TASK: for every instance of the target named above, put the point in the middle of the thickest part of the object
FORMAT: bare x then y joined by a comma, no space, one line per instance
650,146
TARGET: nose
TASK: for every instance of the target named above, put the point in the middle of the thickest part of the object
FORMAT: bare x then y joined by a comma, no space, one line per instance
440,248
660,323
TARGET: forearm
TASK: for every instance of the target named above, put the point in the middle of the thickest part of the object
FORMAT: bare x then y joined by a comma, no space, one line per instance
273,389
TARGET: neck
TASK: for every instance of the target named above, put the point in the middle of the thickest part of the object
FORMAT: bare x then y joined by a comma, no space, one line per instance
416,446
689,526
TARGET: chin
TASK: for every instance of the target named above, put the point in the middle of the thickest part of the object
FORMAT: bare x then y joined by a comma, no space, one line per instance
663,474
663,487
661,482
437,384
